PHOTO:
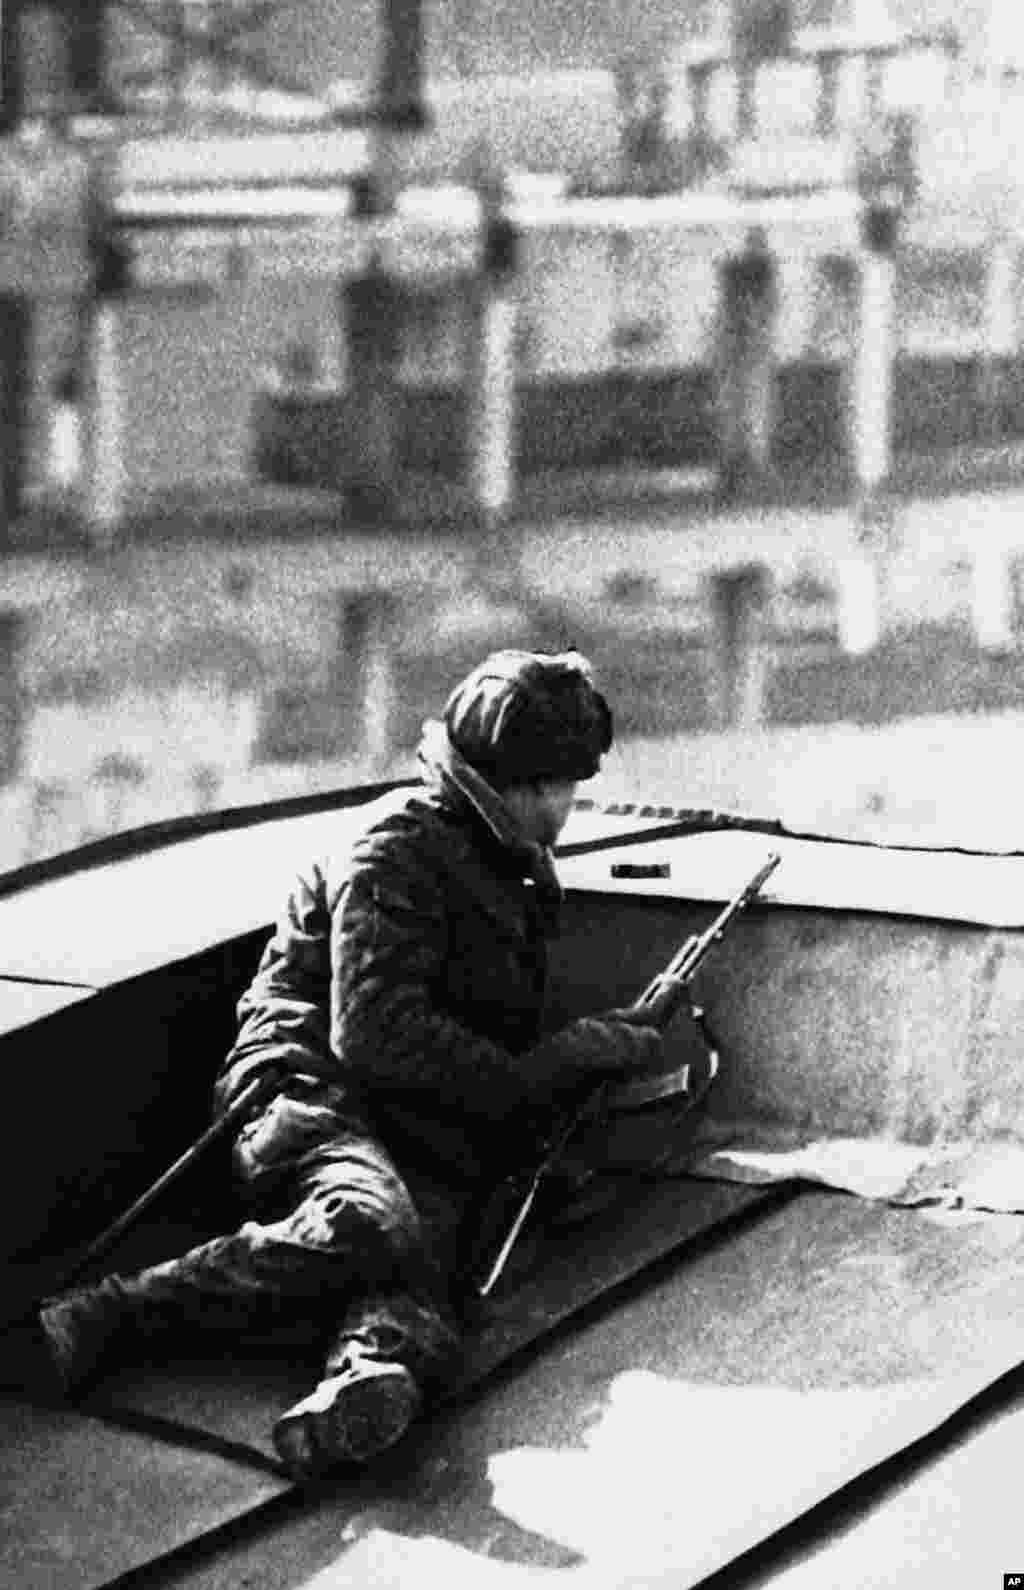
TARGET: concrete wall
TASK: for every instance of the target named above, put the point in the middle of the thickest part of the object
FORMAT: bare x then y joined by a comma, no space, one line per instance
845,1024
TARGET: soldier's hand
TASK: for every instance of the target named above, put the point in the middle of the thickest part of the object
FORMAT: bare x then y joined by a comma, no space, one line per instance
656,1011
596,1047
632,1015
619,1044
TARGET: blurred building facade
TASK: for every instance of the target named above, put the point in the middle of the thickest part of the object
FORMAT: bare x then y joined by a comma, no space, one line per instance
226,347
540,87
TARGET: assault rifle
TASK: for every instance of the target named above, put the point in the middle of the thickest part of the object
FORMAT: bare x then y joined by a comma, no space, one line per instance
665,993
656,1007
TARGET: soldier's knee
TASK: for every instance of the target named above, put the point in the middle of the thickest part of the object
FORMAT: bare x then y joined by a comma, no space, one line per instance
364,1220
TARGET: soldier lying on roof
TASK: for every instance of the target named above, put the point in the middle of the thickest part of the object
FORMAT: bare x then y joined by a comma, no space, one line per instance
400,1003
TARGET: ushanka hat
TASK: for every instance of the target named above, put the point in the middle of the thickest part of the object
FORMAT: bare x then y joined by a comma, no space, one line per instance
522,716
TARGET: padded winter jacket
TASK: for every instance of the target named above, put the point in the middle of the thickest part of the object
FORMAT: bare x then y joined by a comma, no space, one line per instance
411,973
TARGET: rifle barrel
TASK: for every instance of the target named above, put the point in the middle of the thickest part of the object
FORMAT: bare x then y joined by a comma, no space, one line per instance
494,1269
690,954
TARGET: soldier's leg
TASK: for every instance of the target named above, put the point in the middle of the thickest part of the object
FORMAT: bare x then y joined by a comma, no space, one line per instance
396,1341
333,1213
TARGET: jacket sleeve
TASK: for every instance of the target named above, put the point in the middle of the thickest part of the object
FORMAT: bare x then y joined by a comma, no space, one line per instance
283,1014
389,1025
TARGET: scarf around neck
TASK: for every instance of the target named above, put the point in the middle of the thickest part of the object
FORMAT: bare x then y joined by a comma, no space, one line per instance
446,769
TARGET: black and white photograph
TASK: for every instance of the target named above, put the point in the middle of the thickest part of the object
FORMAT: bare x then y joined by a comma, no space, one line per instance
511,842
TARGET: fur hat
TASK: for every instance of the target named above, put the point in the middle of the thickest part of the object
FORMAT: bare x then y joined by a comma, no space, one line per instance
521,716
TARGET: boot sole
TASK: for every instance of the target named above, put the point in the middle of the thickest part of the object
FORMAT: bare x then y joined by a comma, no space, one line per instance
346,1420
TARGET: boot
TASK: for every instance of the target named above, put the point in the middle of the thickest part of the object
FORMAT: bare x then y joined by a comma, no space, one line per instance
82,1330
349,1417
391,1353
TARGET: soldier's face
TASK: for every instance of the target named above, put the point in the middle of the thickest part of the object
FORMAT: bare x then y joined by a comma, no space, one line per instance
541,809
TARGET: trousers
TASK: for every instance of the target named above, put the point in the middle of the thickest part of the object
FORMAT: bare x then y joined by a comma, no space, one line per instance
336,1242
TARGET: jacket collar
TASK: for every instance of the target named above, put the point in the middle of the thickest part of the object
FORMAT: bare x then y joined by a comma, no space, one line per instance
459,784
